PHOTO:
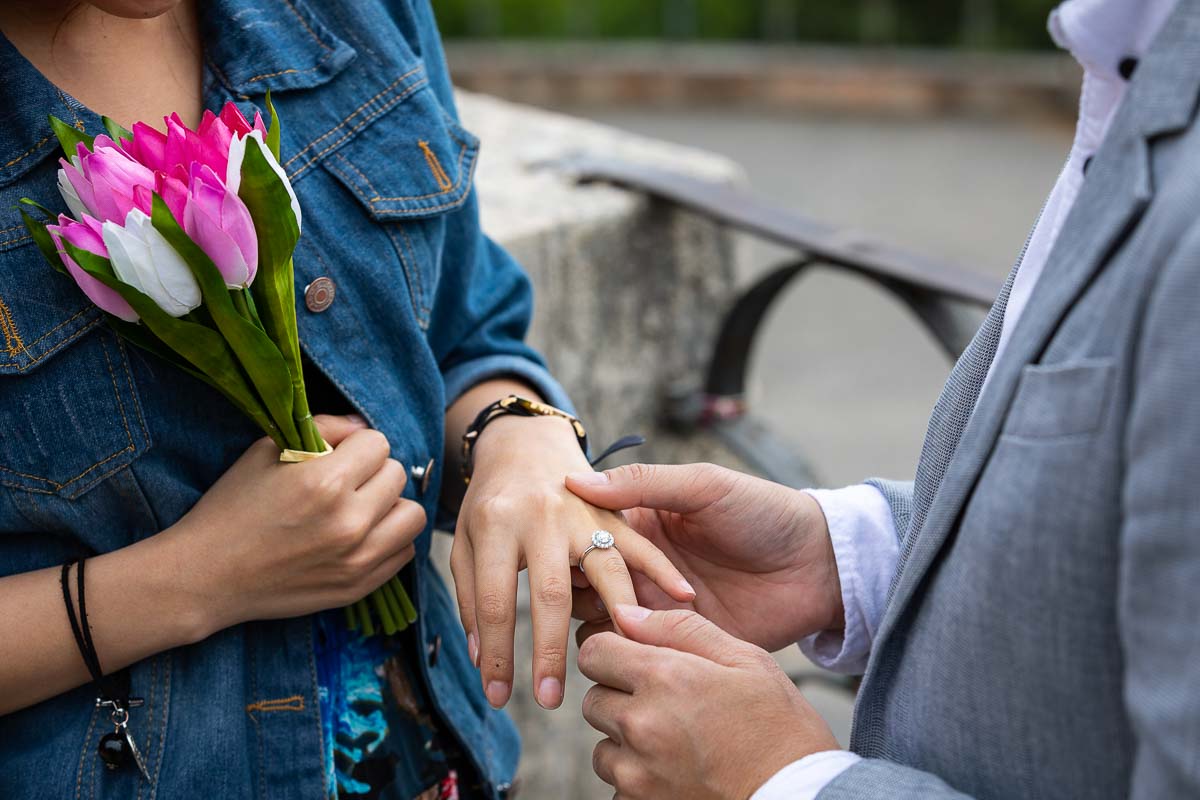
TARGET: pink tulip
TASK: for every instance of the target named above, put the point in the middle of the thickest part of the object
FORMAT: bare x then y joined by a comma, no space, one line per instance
176,150
105,179
220,223
87,235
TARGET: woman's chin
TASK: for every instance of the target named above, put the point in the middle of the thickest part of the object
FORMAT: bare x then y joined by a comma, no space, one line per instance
135,9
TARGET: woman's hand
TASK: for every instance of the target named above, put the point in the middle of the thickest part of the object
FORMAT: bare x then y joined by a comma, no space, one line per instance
749,546
518,514
272,540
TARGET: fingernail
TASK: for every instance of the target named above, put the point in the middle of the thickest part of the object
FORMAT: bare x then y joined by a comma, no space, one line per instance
357,419
687,587
550,692
633,612
589,478
497,693
473,649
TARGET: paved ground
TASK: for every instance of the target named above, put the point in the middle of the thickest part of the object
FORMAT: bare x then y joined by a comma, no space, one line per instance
842,369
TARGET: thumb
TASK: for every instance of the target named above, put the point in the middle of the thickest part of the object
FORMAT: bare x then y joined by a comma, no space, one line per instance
334,429
681,489
678,629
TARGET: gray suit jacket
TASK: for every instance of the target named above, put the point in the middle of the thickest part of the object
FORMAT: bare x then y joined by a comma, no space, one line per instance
1042,639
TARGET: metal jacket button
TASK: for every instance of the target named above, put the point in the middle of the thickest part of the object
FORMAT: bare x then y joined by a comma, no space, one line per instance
421,475
319,294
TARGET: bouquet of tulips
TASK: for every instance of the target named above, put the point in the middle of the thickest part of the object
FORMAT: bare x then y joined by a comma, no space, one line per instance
185,240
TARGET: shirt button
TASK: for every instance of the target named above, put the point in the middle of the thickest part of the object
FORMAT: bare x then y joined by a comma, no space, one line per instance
435,648
1127,66
319,294
421,474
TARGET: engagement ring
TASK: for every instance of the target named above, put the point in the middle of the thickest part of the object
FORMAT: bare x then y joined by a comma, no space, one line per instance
601,540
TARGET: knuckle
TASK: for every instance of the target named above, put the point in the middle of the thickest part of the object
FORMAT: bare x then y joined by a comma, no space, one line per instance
639,473
494,609
553,591
495,510
552,657
591,648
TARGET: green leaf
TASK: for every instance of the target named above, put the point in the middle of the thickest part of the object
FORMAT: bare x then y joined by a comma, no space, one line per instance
43,240
273,129
258,355
203,348
115,130
274,293
69,136
47,213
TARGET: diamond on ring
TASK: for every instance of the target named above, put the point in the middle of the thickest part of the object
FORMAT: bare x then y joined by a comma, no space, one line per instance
602,540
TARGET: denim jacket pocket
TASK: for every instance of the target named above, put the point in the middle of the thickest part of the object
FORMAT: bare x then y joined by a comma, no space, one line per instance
69,412
408,170
1059,401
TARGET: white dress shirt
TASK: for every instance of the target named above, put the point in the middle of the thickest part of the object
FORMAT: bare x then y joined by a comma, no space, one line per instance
1105,37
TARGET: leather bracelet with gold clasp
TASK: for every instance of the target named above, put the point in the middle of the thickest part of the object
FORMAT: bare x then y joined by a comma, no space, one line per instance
516,406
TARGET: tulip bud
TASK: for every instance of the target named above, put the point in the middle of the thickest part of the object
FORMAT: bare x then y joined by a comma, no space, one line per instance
86,235
217,220
142,258
237,154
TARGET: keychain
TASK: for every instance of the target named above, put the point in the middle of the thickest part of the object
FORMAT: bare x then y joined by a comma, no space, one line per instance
116,747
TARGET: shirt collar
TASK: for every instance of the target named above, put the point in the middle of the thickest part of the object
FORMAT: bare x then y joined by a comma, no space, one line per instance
250,46
1100,34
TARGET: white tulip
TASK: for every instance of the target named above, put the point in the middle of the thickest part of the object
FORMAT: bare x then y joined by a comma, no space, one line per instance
237,153
69,195
142,258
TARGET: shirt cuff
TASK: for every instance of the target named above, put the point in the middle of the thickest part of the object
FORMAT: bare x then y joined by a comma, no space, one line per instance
459,379
804,779
867,550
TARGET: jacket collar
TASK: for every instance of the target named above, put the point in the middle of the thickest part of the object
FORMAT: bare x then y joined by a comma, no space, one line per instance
1162,99
250,46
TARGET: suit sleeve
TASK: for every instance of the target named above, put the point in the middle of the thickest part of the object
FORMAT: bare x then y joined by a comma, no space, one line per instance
1159,581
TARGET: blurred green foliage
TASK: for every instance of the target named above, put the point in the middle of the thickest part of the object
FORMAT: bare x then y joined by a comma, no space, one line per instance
920,23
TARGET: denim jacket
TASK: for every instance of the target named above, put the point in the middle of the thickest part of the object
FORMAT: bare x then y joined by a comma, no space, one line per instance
101,444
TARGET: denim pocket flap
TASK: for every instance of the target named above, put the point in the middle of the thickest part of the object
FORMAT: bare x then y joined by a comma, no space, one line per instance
416,161
1058,400
69,413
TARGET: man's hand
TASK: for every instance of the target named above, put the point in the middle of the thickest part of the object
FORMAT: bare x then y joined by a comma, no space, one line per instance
757,553
690,711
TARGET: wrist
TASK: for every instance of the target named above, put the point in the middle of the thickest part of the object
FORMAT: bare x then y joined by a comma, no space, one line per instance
549,439
183,583
810,529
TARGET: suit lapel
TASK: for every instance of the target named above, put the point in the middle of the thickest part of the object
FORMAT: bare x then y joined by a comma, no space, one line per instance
1116,192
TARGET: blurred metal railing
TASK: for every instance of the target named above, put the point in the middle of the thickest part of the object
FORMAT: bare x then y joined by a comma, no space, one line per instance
949,301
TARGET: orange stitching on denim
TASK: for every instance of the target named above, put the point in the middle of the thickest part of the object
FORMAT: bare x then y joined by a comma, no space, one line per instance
443,180
166,713
87,746
12,337
462,153
359,126
117,394
293,703
63,324
411,274
282,72
413,255
35,359
28,152
366,120
137,406
307,27
341,124
357,172
13,228
24,238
